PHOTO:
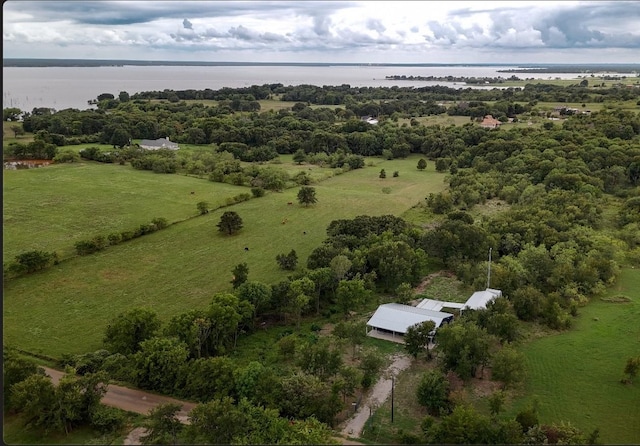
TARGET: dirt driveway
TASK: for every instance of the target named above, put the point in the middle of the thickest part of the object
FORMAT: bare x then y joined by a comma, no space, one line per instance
379,394
132,400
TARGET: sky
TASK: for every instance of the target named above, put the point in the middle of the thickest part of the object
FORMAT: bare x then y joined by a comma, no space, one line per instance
325,31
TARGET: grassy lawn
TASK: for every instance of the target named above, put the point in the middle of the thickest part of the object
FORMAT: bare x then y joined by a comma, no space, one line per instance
53,207
15,432
66,308
575,376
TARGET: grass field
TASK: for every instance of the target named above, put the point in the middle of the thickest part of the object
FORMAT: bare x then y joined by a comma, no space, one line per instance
65,308
575,376
51,208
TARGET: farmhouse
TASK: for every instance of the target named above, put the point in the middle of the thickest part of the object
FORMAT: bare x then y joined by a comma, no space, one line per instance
394,319
391,321
160,143
490,123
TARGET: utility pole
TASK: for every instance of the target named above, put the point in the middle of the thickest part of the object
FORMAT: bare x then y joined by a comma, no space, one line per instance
489,270
392,386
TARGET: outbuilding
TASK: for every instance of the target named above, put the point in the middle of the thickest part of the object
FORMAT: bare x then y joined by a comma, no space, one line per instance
480,299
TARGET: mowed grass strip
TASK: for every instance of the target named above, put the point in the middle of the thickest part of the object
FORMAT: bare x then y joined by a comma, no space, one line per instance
51,208
575,376
66,308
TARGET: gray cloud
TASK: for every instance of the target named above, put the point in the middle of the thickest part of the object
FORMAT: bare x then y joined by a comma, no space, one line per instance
317,26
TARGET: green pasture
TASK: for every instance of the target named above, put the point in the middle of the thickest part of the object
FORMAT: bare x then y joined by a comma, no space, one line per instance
66,308
50,208
575,375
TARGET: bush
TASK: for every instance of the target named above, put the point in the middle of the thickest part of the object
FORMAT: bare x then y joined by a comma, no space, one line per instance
160,223
114,238
106,419
257,192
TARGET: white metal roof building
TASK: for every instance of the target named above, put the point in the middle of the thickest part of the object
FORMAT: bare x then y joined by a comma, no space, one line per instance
397,318
437,305
480,299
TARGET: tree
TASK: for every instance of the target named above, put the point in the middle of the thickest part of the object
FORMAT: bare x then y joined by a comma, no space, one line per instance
256,293
203,207
416,339
240,274
11,114
353,331
433,391
496,402
288,261
631,369
163,425
383,174
14,370
422,164
463,347
230,223
300,156
32,261
340,266
17,130
120,138
158,363
129,329
351,294
307,195
215,422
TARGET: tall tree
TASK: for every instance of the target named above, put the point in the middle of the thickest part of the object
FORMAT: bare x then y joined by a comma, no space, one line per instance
240,274
416,339
230,223
129,329
307,195
163,425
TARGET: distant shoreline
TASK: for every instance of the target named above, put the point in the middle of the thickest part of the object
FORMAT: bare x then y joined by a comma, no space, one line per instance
517,68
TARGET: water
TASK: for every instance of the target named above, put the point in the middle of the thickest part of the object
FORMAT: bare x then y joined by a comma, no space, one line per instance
72,87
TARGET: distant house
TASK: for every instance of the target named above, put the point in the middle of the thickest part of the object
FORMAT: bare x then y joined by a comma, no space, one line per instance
394,319
160,143
369,120
490,123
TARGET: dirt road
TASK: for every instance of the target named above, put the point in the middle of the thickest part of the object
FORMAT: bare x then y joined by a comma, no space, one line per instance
378,395
132,400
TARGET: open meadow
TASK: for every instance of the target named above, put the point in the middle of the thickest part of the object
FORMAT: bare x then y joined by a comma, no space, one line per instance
53,207
65,308
575,375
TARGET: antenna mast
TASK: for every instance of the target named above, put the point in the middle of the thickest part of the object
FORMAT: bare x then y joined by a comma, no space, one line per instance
489,270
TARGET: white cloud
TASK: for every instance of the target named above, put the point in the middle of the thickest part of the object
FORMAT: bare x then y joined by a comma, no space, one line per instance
384,31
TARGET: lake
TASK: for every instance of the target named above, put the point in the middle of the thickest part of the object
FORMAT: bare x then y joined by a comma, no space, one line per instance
72,87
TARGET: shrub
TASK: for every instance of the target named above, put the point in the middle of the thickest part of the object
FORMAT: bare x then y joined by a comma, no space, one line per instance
160,223
114,238
257,192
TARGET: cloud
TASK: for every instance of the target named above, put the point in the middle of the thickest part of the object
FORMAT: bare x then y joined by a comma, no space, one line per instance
340,29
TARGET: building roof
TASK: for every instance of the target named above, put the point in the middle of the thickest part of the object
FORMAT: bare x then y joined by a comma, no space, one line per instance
398,317
480,299
160,143
490,122
437,305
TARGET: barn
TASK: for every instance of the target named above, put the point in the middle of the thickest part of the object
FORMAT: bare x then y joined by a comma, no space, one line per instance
394,319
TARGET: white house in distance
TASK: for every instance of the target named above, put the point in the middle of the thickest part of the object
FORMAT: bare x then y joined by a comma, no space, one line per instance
160,143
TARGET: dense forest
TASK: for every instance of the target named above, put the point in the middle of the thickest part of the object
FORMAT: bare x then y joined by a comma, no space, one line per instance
571,219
